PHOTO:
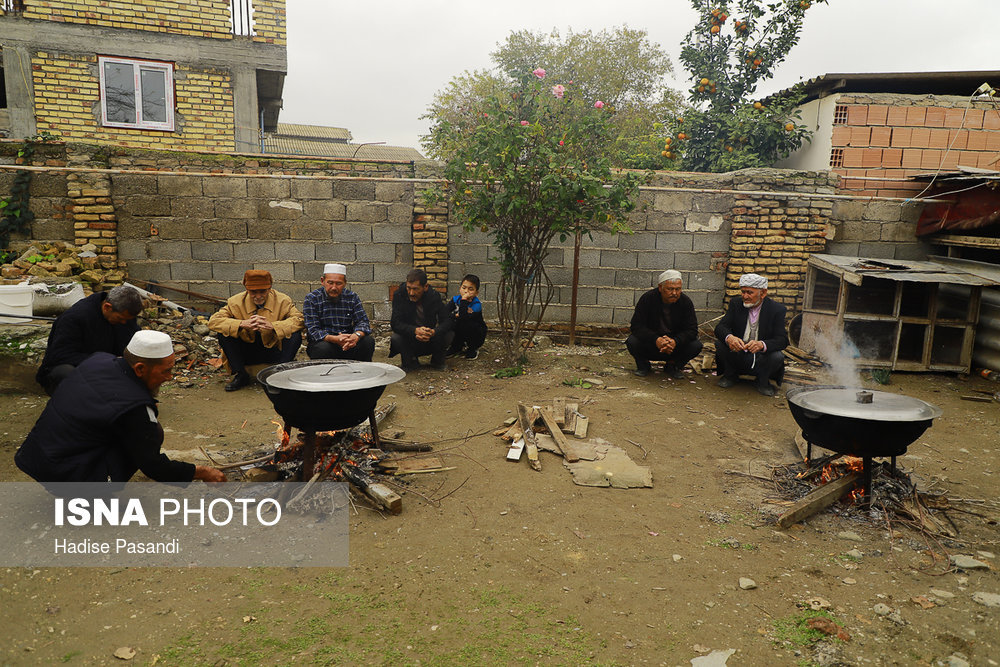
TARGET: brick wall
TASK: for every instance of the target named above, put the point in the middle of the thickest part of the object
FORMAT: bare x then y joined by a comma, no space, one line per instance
67,103
206,18
888,137
269,21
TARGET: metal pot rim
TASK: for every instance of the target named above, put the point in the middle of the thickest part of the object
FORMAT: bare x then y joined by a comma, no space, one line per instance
329,375
840,401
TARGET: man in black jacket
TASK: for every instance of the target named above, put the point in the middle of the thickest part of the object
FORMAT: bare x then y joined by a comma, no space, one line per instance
664,328
751,336
102,322
101,423
420,323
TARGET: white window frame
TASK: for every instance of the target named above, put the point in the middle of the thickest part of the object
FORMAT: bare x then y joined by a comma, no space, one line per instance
137,67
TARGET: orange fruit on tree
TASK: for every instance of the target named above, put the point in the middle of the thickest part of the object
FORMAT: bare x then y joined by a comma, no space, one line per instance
729,148
664,153
723,16
701,89
758,105
757,61
682,136
715,29
789,127
670,155
669,141
704,82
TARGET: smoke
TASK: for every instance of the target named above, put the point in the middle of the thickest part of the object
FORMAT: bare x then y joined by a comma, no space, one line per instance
840,354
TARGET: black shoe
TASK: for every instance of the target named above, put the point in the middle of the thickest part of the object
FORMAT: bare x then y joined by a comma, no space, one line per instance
439,365
765,390
453,352
239,381
471,354
725,382
641,372
410,366
674,372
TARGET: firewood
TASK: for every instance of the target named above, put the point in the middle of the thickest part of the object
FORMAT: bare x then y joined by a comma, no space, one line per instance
529,435
819,499
569,421
581,426
568,448
516,449
559,411
378,492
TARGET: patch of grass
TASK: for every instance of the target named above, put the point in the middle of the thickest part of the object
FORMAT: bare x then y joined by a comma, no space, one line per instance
792,631
69,656
579,383
509,372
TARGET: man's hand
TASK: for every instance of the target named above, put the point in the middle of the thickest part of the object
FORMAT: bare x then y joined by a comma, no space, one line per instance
207,474
344,341
736,344
424,334
256,323
263,324
755,346
665,344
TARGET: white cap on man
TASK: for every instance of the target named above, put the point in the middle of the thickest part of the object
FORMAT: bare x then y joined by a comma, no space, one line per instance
669,275
149,344
335,268
754,280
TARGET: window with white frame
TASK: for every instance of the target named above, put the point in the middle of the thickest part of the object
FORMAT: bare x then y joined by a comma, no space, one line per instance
137,93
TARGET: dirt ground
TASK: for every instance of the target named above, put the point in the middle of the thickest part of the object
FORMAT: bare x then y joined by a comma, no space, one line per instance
525,567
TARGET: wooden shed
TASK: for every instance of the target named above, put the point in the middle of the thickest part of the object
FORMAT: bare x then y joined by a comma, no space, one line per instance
898,314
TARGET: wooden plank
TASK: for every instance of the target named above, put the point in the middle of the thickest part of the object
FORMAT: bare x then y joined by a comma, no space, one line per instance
567,447
569,422
581,426
529,436
819,499
559,410
516,449
968,241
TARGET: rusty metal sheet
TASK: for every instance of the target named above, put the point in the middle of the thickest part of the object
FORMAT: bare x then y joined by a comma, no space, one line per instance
854,269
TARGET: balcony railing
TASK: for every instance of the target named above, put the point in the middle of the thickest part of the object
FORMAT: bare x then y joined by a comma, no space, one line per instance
241,17
11,6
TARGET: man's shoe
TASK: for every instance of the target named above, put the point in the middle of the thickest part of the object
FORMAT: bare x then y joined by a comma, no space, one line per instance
471,354
409,365
239,381
725,382
439,365
765,390
453,352
641,372
674,372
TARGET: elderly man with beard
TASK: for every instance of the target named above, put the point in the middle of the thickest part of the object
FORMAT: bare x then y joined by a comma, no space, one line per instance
751,336
101,423
257,326
336,321
664,328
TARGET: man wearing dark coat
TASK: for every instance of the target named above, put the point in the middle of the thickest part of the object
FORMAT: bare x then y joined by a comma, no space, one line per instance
102,322
101,423
420,323
664,328
751,336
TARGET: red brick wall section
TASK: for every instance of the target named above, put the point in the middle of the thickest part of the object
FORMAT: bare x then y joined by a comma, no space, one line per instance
889,137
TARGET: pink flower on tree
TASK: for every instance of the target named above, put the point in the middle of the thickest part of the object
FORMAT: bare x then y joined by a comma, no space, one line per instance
598,104
524,122
559,90
540,73
560,142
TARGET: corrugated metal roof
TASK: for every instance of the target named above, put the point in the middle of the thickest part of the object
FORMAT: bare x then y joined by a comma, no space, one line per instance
905,83
341,134
282,145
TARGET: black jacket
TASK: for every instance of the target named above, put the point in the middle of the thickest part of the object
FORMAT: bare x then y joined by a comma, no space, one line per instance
81,331
99,426
647,323
404,313
771,325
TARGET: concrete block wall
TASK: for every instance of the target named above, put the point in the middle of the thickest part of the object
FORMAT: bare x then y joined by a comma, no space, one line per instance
48,192
888,137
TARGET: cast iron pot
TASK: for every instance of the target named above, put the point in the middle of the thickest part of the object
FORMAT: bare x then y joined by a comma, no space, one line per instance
835,418
326,394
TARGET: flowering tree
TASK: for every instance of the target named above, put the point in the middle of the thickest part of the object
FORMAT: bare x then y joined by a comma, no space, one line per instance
735,45
530,163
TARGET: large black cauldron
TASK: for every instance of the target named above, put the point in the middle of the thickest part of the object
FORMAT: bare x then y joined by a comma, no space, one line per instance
326,395
858,422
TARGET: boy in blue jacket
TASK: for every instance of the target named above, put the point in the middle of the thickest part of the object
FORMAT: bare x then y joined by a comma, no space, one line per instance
467,309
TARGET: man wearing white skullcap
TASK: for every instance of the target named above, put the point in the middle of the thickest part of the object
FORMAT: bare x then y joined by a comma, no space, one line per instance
751,336
336,321
664,328
101,423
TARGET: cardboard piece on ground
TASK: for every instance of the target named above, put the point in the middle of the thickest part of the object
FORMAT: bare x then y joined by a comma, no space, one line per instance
612,468
546,443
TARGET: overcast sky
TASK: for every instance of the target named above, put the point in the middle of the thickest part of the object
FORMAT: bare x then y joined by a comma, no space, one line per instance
373,67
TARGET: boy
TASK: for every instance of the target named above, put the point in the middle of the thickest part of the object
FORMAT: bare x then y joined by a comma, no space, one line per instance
467,309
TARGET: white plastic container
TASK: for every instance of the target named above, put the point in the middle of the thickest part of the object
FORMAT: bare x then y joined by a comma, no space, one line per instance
15,300
53,300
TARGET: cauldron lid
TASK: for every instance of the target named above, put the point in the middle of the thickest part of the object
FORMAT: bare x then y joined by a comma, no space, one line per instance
842,402
333,376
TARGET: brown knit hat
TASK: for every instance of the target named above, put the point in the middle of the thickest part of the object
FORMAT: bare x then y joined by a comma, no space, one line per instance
257,279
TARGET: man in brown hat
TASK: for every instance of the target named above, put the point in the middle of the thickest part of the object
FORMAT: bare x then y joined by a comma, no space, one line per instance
257,326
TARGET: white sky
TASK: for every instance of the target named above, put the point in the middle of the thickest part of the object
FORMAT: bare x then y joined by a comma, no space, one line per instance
373,67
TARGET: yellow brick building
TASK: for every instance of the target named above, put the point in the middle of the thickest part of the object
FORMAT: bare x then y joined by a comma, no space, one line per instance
155,73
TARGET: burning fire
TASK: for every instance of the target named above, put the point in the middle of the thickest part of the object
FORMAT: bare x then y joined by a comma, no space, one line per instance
843,466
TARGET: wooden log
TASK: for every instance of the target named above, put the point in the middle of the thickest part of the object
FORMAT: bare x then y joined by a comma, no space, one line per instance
819,499
568,448
569,421
397,445
378,492
529,435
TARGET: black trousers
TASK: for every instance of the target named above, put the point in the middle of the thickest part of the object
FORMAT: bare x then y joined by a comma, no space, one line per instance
410,348
363,351
643,353
241,353
764,367
55,376
471,334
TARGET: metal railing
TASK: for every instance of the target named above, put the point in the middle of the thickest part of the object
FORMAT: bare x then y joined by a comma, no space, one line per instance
11,6
241,17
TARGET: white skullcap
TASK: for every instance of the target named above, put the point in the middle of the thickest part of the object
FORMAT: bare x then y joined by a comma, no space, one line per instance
754,280
669,274
150,344
335,268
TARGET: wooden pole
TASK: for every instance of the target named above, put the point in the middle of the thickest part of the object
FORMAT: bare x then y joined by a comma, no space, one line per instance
819,499
576,284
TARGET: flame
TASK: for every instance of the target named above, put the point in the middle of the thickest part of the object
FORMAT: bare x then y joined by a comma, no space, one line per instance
853,463
857,495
